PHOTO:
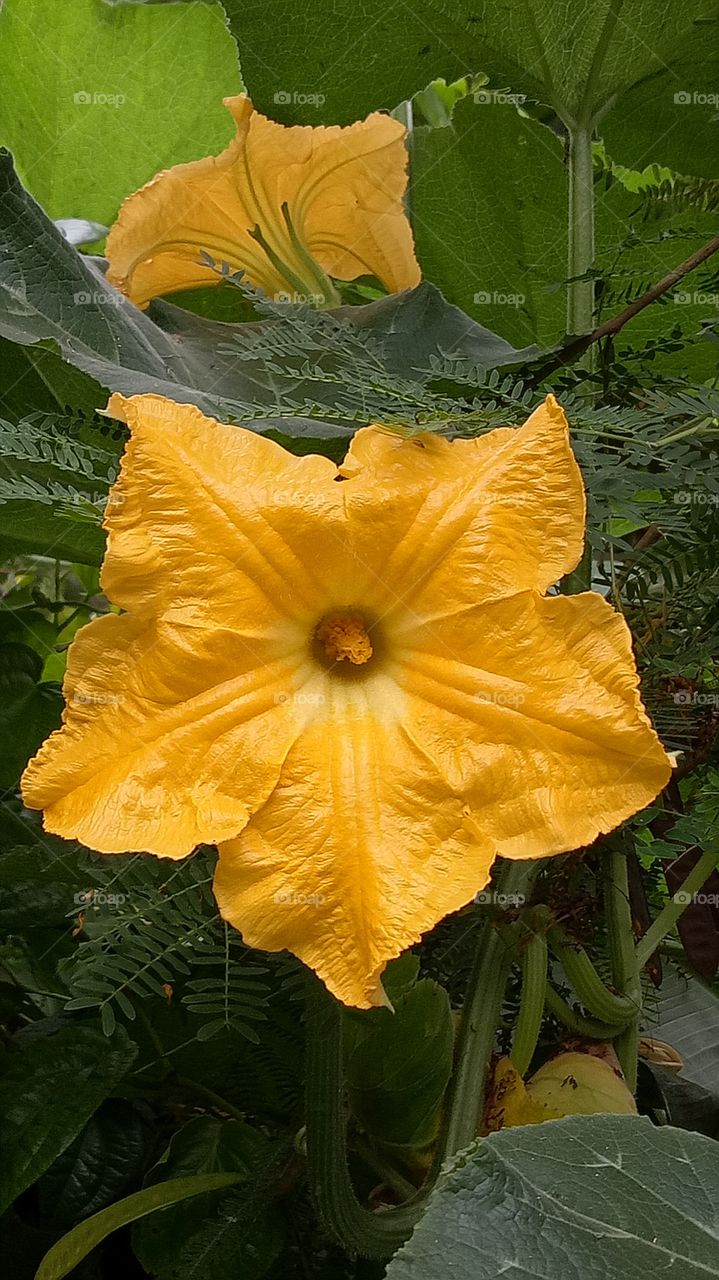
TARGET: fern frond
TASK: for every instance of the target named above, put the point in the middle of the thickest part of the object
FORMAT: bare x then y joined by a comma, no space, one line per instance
46,440
680,194
41,462
145,937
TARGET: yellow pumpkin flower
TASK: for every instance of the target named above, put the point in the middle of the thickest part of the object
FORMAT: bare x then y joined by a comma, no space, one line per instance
350,679
292,207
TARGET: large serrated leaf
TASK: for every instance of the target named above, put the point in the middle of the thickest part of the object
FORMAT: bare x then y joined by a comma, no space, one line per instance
582,61
97,99
481,241
587,1198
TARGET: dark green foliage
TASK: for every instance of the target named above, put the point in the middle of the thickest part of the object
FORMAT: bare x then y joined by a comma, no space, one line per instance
142,1041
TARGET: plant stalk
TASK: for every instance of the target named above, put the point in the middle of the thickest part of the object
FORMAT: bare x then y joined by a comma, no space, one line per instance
374,1235
669,914
580,296
481,1015
626,973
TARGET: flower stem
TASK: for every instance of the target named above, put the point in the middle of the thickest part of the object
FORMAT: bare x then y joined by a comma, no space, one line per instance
623,955
669,914
481,1016
531,1008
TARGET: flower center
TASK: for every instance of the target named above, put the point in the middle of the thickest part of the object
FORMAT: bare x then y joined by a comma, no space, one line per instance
342,637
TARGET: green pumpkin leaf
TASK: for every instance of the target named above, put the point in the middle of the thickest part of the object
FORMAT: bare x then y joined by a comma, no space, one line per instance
608,1196
479,238
98,99
584,65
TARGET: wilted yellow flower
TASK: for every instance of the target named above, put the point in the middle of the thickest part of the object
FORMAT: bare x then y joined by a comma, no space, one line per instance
349,678
292,207
571,1084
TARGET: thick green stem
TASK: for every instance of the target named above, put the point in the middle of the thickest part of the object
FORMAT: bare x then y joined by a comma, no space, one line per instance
580,297
669,914
481,1015
380,1234
531,1008
374,1235
592,1028
587,984
623,955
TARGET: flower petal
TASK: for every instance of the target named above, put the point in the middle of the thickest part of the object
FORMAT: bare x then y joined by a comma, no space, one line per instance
361,847
207,523
343,188
531,706
350,205
172,735
471,520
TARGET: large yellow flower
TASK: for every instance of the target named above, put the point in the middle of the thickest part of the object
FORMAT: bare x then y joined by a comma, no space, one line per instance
351,679
291,206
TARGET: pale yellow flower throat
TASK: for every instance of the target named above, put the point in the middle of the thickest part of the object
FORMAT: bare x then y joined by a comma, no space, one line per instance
344,638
